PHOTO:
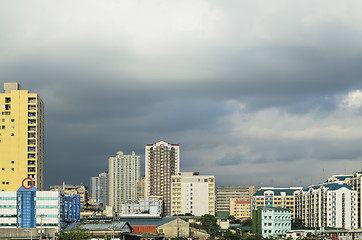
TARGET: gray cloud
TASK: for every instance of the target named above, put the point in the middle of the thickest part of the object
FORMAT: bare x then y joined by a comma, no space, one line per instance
251,91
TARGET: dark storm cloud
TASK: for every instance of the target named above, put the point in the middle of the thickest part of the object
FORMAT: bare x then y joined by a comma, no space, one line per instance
230,159
239,85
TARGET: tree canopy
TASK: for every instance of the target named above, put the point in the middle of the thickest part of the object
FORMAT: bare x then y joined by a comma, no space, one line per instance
209,223
77,233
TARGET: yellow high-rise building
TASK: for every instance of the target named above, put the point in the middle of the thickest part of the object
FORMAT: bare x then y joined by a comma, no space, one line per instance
21,138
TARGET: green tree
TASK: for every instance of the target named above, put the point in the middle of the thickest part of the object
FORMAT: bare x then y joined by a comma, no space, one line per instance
229,235
209,223
233,219
297,222
77,233
247,222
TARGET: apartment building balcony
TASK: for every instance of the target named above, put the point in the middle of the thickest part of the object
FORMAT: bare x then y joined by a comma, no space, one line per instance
32,107
31,100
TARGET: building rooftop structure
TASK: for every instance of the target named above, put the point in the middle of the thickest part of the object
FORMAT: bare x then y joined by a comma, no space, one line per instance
277,191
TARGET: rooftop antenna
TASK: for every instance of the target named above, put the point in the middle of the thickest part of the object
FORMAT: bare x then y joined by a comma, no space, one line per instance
324,177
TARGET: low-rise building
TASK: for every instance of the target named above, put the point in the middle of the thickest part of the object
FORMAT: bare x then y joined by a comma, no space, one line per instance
240,209
224,193
30,208
150,205
276,197
271,221
80,190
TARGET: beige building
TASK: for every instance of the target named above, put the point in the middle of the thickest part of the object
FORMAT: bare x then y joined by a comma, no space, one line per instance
140,188
240,209
276,197
162,160
225,193
21,138
193,193
81,190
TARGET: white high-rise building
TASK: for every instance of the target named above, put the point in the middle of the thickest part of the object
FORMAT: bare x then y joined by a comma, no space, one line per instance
124,171
193,193
162,161
328,205
99,189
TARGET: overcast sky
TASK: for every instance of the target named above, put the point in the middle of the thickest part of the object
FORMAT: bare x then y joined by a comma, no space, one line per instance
264,93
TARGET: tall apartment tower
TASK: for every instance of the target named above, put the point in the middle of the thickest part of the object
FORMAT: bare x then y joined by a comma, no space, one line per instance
162,161
99,189
21,138
123,173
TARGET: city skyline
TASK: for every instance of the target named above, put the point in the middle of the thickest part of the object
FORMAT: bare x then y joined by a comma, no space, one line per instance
262,94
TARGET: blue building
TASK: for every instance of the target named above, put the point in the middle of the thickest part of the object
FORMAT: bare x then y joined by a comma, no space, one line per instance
30,208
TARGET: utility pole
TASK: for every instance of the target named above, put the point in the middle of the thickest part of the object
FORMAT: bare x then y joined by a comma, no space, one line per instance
41,225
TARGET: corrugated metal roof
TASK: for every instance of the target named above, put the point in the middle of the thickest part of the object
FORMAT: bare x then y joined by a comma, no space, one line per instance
117,226
104,226
157,222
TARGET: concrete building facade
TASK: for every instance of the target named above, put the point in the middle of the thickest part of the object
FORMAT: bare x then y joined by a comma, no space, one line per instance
152,205
21,138
240,209
276,197
162,161
271,221
328,205
30,208
193,193
225,193
123,173
69,189
140,188
99,189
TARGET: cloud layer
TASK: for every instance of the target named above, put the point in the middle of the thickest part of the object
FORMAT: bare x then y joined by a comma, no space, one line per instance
255,93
